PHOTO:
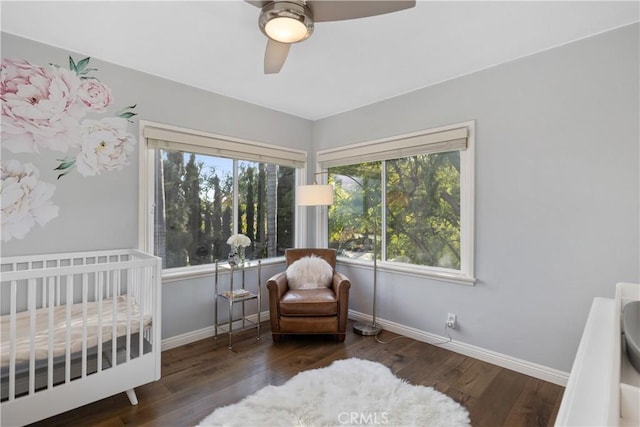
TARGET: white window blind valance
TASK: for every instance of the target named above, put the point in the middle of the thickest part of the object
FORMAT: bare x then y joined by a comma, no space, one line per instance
167,139
427,143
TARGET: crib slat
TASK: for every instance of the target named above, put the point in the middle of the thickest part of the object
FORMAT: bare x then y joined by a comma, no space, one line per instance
100,285
58,292
69,301
114,335
12,339
52,281
141,304
31,298
84,325
109,285
130,286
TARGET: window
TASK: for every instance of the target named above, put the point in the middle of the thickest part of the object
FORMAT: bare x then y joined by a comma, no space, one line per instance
204,189
354,217
412,195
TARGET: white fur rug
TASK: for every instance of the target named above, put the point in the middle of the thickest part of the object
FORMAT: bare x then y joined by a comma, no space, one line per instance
351,392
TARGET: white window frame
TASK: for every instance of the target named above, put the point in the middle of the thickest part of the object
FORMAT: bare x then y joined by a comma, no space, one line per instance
146,179
327,158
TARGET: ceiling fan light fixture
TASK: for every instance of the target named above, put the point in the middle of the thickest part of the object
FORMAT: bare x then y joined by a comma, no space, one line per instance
286,30
286,22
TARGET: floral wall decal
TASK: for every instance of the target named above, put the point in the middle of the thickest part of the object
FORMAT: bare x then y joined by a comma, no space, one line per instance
106,145
40,107
25,199
46,108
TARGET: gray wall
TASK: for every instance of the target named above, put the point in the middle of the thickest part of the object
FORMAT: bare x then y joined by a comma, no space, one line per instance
187,305
101,212
557,195
557,189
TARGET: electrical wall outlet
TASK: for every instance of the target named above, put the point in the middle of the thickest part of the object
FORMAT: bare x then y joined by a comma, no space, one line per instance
452,321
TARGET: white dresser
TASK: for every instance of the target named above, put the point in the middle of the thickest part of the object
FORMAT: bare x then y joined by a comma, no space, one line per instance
603,388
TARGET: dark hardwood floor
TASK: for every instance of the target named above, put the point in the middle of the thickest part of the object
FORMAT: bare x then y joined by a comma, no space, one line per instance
199,377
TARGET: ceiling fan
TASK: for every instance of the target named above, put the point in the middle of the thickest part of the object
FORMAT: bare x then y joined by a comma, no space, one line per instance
285,22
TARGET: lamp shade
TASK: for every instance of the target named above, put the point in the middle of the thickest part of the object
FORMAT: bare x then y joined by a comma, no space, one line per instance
314,195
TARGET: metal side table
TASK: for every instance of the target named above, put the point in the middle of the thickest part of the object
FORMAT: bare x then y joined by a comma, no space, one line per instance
237,296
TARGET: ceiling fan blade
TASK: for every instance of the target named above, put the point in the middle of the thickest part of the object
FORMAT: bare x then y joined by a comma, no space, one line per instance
332,10
257,3
274,56
339,10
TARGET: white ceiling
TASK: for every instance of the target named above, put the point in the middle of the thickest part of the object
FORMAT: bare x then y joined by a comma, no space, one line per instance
217,46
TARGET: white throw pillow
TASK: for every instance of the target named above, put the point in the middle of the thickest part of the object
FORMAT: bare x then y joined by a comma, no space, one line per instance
310,272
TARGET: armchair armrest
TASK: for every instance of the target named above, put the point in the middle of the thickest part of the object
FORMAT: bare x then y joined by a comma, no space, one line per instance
340,285
277,286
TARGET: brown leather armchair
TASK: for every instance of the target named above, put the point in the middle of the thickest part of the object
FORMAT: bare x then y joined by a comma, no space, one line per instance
309,311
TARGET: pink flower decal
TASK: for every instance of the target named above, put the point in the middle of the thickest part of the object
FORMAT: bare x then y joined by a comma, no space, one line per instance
39,107
45,107
94,95
25,199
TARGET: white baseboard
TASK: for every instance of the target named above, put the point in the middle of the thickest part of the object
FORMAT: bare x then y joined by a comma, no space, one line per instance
208,332
524,367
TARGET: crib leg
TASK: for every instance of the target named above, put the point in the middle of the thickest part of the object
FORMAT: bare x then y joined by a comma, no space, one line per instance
131,394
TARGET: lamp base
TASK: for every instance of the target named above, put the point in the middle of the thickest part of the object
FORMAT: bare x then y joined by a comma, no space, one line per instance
366,329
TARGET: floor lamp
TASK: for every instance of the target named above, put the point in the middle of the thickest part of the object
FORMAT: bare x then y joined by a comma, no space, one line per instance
322,195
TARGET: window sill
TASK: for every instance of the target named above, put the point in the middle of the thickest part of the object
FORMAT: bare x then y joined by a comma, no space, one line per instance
171,275
414,270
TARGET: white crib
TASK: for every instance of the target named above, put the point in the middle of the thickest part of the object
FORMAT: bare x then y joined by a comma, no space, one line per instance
76,328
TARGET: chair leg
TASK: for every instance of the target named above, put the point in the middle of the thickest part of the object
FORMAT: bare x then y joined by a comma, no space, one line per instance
276,337
341,337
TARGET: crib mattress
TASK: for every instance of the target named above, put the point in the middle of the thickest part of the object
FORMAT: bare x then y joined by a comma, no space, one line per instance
76,325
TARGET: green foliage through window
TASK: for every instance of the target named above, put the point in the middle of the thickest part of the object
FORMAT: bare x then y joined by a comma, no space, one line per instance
421,198
354,217
194,214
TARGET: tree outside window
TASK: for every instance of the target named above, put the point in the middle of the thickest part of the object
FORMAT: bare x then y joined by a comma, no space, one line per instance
196,209
355,212
421,198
